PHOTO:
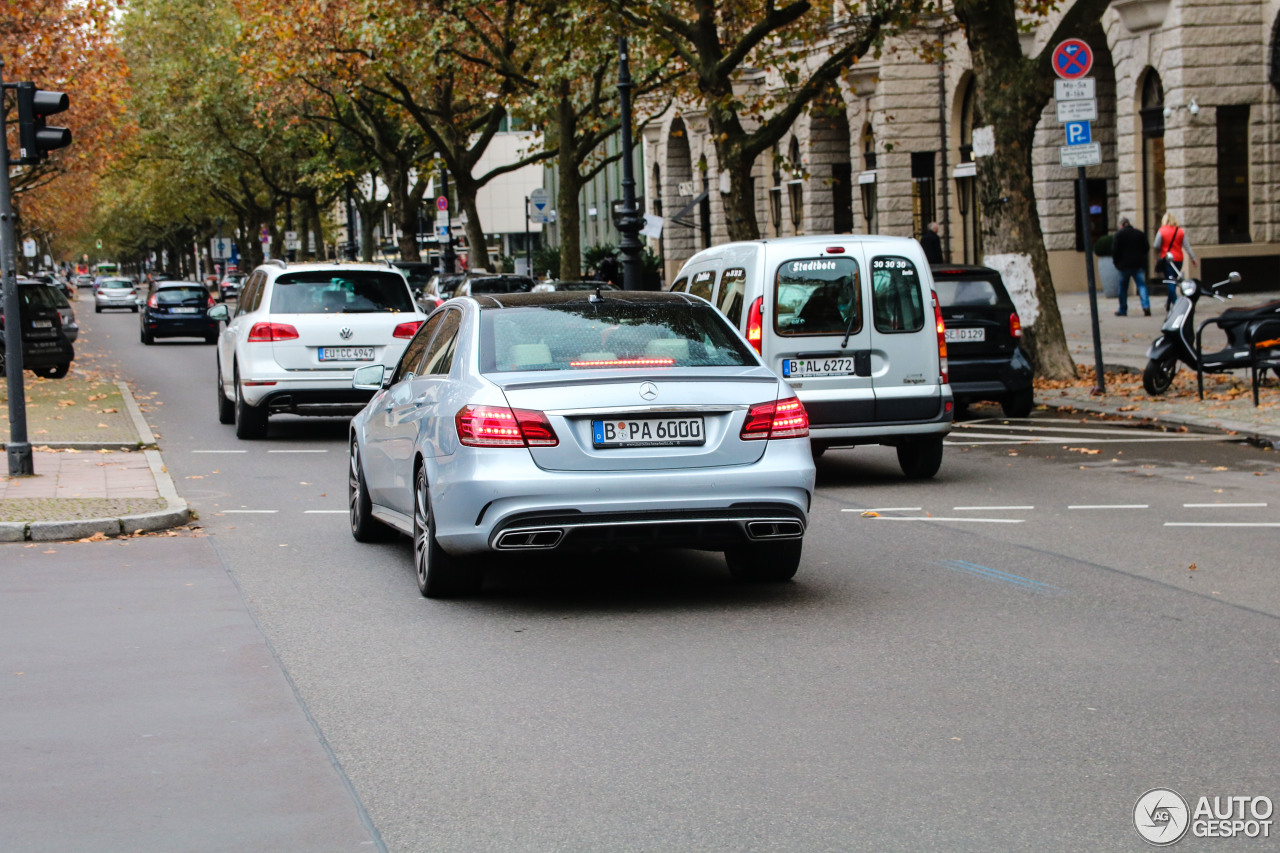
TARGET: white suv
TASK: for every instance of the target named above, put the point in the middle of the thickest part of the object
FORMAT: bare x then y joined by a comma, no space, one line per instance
298,333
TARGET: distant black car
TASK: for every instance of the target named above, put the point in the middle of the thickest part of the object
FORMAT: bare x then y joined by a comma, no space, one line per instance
478,283
984,334
178,309
45,348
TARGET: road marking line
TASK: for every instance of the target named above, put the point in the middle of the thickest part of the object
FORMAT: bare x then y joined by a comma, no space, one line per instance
1222,524
324,511
941,518
1109,506
297,451
219,451
1207,506
888,509
959,508
997,575
249,511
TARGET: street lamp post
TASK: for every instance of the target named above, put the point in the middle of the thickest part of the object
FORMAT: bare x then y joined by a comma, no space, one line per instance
629,221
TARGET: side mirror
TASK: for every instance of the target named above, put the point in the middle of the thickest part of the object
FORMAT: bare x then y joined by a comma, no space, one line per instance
1234,278
369,377
219,313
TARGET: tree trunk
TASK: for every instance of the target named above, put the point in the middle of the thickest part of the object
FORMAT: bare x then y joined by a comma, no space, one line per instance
568,210
477,248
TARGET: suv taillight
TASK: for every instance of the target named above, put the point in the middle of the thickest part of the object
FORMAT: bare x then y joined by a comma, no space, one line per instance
1015,325
406,330
782,419
943,372
755,324
499,426
267,332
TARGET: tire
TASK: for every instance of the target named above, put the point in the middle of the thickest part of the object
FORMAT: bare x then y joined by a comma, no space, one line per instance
439,574
211,340
1158,375
364,527
97,309
765,562
920,458
226,408
251,421
145,337
54,371
1019,404
135,309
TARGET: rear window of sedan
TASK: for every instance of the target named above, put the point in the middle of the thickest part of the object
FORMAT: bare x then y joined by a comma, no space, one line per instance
957,292
817,296
607,335
181,295
351,292
116,282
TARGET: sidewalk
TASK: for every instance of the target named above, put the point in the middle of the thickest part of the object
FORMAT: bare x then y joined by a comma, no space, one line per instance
97,470
1228,403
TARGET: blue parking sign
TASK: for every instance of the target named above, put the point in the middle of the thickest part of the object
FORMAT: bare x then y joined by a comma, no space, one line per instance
1078,132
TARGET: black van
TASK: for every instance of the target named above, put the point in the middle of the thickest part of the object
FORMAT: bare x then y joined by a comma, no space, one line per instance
45,349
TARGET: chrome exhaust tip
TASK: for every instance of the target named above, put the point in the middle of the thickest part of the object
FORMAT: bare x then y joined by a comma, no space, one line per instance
780,529
523,540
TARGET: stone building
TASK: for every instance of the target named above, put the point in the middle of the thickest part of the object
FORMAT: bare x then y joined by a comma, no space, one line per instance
1189,122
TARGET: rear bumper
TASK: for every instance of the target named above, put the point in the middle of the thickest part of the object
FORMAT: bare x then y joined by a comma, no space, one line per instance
867,424
164,327
489,500
336,402
45,353
990,378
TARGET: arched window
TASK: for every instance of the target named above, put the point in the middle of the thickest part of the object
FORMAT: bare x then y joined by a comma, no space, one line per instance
1153,196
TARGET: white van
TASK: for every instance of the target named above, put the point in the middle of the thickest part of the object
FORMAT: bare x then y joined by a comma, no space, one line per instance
851,322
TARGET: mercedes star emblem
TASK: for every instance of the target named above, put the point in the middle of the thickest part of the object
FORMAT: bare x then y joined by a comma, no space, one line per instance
345,333
648,390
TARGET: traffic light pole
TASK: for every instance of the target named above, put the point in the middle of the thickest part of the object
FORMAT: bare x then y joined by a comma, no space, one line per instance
18,448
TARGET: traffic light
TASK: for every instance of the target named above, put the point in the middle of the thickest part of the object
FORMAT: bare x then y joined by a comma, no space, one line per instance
34,138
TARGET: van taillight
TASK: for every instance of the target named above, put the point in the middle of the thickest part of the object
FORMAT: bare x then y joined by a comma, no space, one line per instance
499,426
1015,325
942,342
782,419
755,324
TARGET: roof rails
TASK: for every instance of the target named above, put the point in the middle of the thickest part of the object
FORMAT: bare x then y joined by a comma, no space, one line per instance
278,262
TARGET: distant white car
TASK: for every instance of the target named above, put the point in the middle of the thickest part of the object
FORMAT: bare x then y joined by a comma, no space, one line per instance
297,334
115,293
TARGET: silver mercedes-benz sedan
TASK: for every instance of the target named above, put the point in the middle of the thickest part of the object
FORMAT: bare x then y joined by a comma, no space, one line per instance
576,422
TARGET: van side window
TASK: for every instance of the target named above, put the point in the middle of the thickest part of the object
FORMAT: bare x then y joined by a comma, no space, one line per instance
681,285
897,303
818,296
732,283
701,283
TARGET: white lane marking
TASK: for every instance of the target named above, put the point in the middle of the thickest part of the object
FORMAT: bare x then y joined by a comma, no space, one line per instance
1000,439
249,511
1222,524
961,508
888,509
324,512
1109,506
297,451
940,518
1213,506
219,451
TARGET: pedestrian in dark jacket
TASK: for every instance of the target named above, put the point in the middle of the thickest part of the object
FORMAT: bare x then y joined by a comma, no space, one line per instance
1129,254
932,244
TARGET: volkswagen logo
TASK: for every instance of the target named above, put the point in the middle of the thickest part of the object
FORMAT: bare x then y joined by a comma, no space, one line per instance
345,333
648,390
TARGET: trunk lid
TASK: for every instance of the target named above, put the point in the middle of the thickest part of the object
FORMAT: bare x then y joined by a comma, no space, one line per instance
679,408
338,341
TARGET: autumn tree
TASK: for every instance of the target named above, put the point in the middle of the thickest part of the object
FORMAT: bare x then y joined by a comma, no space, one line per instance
1011,93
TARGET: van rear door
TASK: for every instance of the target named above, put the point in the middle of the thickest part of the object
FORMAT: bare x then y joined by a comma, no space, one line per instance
904,359
818,338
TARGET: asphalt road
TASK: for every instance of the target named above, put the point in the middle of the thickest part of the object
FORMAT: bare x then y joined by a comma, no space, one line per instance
1003,658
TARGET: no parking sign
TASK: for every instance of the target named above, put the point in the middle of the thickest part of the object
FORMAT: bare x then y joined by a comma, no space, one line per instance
1072,59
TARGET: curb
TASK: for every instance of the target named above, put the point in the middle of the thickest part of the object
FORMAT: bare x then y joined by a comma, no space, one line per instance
1197,423
175,514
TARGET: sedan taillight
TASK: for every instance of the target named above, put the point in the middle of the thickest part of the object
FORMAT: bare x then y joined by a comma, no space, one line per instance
267,332
781,419
499,426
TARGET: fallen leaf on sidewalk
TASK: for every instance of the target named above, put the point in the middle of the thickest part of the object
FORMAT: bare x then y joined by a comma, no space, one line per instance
104,426
108,411
1191,567
98,536
50,551
871,515
66,402
195,477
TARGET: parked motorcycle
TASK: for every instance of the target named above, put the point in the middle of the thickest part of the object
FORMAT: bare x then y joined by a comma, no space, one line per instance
1179,339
